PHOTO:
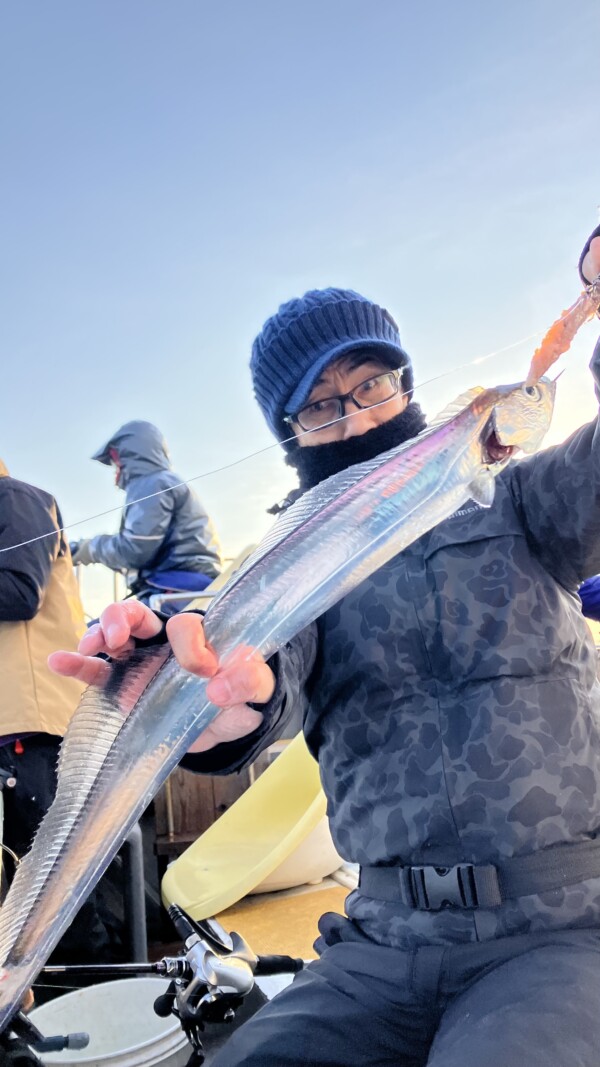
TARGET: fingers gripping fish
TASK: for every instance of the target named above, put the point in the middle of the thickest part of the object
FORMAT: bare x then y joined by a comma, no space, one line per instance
124,739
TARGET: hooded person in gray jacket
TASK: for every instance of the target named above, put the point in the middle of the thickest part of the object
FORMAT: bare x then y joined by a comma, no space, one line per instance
452,703
166,540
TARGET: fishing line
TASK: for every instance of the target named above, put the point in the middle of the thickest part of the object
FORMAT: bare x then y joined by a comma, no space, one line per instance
55,985
267,448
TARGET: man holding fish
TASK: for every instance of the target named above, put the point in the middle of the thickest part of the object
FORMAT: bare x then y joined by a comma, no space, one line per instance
452,704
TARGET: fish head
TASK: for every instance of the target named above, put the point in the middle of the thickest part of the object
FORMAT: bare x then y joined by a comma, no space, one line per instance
519,420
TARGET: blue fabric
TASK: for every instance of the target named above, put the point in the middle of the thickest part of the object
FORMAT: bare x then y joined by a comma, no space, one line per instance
589,592
305,336
178,581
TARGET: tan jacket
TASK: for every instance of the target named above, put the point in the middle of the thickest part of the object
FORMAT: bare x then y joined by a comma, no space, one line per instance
32,698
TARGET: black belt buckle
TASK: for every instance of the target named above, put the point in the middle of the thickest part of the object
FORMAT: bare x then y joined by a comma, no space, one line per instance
434,888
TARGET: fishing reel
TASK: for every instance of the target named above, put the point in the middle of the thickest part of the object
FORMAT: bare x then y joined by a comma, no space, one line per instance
216,974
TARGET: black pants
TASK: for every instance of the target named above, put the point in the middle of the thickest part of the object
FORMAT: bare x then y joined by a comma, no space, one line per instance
86,940
527,1001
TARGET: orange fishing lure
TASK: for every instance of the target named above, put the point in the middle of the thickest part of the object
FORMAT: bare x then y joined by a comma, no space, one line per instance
561,333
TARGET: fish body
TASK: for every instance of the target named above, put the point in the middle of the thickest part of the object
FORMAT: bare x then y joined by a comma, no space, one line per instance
124,740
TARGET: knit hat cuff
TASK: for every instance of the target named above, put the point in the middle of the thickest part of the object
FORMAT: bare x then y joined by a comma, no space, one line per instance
391,353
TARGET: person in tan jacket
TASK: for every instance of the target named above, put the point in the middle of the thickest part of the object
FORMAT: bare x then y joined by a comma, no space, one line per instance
40,608
39,604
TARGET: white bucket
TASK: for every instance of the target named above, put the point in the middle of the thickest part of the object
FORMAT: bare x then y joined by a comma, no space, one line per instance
119,1017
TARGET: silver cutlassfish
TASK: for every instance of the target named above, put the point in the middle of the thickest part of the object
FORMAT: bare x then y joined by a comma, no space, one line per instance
125,739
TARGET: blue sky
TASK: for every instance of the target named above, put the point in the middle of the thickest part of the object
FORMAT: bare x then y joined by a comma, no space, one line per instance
173,171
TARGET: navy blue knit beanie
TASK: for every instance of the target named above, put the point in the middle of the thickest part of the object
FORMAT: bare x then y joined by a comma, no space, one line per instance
308,333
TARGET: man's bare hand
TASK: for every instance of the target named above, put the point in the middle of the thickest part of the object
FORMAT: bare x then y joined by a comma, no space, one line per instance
113,634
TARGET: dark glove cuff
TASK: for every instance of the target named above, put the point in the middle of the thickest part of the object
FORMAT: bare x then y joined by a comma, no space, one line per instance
158,639
161,637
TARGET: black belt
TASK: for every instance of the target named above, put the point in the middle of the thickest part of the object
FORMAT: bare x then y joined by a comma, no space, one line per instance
469,885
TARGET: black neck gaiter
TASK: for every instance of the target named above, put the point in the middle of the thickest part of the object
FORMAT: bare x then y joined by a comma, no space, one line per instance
314,463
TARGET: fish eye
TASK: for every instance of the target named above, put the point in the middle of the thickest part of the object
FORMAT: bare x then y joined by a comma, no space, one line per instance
533,392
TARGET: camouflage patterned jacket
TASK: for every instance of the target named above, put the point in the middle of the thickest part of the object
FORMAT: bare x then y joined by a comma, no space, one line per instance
452,702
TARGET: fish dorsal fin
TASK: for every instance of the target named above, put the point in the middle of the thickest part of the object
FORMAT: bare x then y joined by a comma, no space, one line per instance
311,502
455,408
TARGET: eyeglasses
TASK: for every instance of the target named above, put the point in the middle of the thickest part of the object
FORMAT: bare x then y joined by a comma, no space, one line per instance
365,395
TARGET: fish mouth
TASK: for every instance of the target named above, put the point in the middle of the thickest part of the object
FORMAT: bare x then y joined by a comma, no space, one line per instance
493,451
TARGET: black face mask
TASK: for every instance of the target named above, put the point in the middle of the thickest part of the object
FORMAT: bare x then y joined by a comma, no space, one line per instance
314,463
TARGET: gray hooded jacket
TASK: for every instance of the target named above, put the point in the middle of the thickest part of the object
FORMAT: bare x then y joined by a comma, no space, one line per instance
160,530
